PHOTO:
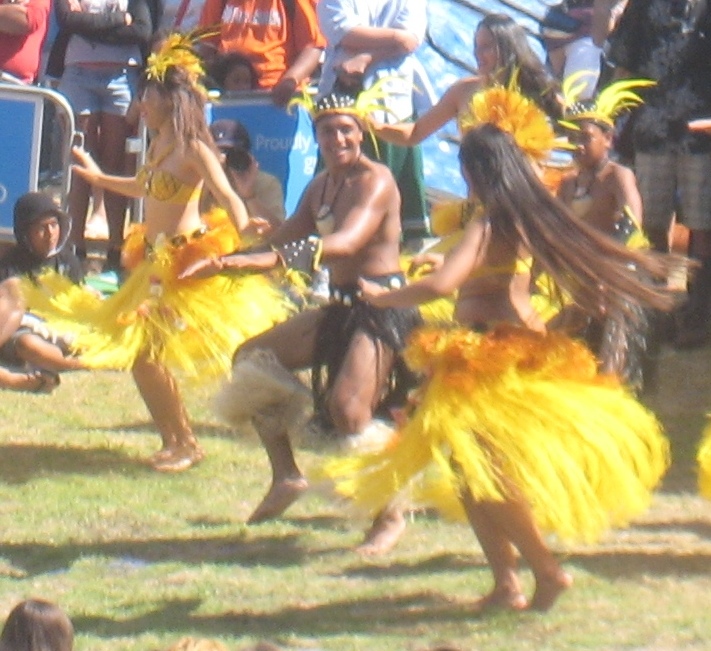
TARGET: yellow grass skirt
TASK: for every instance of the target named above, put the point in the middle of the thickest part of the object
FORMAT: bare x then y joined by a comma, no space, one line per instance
514,408
191,326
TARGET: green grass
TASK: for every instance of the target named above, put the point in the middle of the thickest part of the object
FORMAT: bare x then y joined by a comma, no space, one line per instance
139,559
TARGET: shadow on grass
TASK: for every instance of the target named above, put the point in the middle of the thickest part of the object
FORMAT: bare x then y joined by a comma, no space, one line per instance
333,618
21,463
234,550
617,564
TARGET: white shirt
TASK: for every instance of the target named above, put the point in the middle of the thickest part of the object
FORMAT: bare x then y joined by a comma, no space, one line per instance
338,17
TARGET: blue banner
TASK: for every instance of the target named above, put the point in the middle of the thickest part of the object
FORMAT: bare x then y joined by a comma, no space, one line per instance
283,143
20,133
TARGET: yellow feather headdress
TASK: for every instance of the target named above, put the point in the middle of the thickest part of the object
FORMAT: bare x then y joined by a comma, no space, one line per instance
610,102
510,111
178,50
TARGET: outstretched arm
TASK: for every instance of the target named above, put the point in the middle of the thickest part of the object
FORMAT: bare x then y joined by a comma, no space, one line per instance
409,134
458,265
87,168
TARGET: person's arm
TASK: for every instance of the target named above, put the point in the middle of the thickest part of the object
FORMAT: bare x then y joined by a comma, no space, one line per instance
301,69
627,193
606,13
469,254
207,165
88,24
381,42
14,19
87,168
139,30
408,134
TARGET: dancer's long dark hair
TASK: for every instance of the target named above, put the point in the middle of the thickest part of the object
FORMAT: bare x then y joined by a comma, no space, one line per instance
601,274
188,107
517,58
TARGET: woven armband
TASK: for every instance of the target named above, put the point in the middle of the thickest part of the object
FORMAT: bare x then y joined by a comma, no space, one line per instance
301,255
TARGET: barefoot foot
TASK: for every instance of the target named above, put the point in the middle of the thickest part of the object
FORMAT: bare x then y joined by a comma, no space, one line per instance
176,459
383,534
280,497
548,589
501,599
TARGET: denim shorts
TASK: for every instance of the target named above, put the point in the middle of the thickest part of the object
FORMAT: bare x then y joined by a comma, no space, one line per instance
106,89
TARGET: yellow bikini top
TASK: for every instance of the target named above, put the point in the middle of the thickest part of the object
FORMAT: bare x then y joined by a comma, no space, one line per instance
448,221
165,186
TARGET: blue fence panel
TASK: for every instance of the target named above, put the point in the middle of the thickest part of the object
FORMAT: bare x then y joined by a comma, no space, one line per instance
20,135
283,143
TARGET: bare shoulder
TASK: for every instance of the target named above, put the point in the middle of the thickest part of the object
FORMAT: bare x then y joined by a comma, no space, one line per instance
376,177
618,173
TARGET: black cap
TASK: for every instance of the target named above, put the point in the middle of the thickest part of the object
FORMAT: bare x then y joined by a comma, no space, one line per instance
33,206
230,134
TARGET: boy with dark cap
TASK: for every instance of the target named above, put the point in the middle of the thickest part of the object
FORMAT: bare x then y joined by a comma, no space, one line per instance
41,231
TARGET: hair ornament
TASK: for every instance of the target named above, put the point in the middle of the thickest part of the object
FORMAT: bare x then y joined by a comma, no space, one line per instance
506,108
178,50
610,102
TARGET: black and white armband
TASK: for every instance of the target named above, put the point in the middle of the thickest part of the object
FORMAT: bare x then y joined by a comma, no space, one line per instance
301,255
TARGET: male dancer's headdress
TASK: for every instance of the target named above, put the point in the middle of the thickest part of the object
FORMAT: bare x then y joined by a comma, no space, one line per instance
610,102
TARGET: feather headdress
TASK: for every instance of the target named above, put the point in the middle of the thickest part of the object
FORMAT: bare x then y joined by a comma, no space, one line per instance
178,51
361,106
366,102
610,102
510,111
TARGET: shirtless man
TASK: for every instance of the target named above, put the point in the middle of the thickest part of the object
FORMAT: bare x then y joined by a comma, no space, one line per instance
349,219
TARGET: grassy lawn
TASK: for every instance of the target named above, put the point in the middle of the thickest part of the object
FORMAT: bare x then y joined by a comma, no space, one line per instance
139,559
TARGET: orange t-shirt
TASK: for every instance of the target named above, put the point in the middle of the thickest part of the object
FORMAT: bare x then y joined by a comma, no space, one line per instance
261,31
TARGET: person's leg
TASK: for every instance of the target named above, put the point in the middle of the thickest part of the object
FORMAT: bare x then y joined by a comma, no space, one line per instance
695,197
292,344
355,395
43,354
656,179
12,308
112,146
514,521
500,555
160,393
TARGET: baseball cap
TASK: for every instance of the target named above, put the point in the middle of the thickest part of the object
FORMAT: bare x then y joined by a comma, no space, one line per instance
230,134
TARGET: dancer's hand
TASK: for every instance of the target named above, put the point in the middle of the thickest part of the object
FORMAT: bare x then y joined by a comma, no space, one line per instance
87,167
425,263
372,292
257,227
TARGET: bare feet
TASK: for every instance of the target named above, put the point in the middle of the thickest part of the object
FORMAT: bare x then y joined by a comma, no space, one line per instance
176,459
278,499
383,533
549,588
502,599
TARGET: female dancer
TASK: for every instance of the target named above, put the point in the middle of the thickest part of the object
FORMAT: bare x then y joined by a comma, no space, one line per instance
514,424
502,52
155,320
